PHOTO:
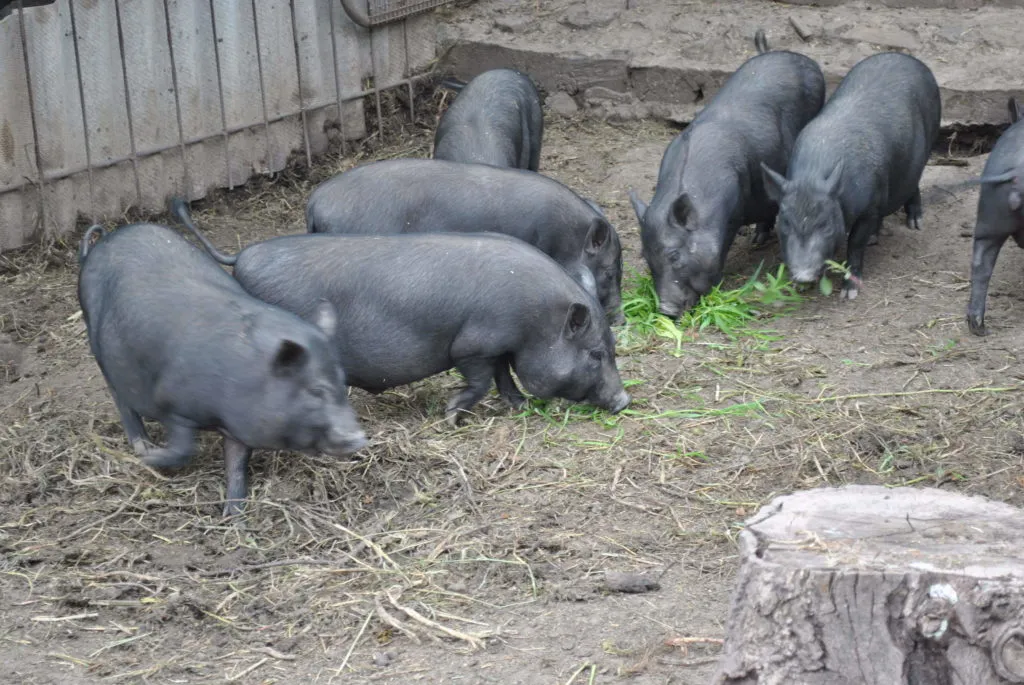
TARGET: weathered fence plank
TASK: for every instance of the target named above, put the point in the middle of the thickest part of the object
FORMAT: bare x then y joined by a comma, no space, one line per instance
19,211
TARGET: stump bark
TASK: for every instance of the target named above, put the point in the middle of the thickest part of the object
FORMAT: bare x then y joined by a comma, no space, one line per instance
876,586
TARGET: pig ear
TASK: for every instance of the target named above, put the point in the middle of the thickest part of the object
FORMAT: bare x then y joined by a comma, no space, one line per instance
290,357
774,183
638,205
577,320
682,210
598,235
834,179
326,318
593,205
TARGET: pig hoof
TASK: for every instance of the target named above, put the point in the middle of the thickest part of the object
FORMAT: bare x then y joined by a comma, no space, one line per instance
873,240
233,509
164,458
140,448
977,327
454,416
850,293
514,401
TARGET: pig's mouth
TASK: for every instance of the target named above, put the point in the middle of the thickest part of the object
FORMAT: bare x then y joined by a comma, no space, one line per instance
345,447
680,302
621,401
679,295
807,276
616,404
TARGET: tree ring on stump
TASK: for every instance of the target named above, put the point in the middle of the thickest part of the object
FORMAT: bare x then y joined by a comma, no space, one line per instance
1008,654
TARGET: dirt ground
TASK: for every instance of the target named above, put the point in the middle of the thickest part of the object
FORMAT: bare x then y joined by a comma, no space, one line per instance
477,555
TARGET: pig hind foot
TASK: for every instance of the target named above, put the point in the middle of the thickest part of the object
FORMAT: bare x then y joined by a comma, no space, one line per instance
763,233
914,211
507,388
478,374
178,453
134,429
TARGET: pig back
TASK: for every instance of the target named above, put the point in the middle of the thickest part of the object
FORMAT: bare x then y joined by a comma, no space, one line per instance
881,122
779,83
405,302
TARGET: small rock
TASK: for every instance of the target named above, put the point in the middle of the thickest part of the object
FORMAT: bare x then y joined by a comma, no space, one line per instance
513,24
584,17
617,581
951,33
383,659
562,103
600,94
10,361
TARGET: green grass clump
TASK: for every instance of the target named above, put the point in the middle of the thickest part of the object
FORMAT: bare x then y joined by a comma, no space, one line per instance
729,311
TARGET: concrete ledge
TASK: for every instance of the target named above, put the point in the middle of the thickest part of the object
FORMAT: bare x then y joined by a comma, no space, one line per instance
923,4
666,58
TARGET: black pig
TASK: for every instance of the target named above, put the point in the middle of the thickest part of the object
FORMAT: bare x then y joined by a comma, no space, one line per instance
858,161
433,195
1000,213
180,342
495,119
710,182
417,305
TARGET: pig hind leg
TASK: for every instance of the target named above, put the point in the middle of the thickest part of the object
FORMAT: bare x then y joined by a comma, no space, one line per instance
134,429
181,445
507,385
478,373
914,211
763,232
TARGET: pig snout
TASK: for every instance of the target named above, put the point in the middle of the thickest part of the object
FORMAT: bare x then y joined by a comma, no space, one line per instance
805,262
620,402
675,298
613,311
344,437
807,274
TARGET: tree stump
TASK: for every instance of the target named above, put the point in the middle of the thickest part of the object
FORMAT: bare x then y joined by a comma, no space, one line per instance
876,586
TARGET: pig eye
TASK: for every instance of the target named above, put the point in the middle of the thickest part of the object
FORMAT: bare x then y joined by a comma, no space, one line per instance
597,355
674,255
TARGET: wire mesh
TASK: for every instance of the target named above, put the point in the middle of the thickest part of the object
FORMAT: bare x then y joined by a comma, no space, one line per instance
387,11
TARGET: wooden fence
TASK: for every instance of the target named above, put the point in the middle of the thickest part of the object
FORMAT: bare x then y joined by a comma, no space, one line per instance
112,104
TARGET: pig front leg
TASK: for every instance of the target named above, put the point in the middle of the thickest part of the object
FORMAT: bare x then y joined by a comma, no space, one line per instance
983,261
478,374
236,467
865,227
507,388
181,445
914,211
